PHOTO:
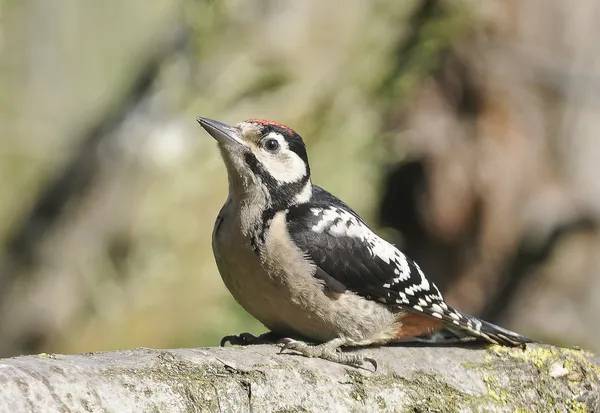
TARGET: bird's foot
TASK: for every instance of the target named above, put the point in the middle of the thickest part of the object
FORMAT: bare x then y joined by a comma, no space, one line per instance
248,339
327,351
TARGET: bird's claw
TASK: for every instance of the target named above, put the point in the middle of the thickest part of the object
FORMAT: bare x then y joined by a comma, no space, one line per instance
234,340
246,339
323,352
291,344
372,361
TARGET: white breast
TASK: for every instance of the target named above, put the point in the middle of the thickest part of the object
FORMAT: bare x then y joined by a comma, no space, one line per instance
281,291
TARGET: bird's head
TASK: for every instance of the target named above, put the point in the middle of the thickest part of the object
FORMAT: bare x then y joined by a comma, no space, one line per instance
262,155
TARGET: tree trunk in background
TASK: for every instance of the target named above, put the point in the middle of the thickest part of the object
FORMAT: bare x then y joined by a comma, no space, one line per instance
69,96
501,195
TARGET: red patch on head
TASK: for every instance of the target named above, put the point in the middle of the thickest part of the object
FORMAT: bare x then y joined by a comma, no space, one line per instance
265,122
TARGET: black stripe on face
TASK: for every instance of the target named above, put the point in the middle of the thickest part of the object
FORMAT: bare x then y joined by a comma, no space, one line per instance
282,194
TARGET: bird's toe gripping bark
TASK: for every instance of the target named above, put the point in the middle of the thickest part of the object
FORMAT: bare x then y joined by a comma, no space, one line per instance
248,339
327,351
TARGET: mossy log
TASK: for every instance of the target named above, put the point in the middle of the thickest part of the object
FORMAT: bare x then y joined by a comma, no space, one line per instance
258,379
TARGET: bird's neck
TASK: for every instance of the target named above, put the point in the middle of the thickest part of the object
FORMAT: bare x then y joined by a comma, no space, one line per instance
257,202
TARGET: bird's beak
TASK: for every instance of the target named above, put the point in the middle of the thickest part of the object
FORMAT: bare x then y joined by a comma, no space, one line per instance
224,134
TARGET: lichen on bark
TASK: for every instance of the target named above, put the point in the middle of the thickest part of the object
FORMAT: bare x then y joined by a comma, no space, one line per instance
257,378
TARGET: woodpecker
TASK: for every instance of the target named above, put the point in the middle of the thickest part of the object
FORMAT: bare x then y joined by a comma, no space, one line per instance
309,268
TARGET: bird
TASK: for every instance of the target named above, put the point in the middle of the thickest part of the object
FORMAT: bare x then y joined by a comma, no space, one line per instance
309,268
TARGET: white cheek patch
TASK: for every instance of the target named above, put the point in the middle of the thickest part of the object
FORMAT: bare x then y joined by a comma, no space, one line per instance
285,166
305,194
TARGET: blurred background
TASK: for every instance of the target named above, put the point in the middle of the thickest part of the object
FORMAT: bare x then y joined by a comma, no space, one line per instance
465,132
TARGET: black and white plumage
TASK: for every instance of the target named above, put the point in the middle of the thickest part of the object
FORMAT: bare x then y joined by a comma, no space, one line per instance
306,265
342,245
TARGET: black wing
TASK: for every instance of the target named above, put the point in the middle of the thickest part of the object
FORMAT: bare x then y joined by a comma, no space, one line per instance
349,255
345,248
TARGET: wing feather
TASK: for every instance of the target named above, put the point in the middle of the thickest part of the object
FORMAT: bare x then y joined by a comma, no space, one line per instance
343,246
349,255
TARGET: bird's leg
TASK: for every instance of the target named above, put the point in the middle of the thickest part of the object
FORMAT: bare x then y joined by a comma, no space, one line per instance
327,351
247,339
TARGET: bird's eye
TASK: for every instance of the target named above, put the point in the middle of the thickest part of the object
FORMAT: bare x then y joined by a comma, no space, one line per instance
272,145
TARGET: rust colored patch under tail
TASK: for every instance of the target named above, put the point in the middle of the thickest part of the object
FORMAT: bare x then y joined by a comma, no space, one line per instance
416,325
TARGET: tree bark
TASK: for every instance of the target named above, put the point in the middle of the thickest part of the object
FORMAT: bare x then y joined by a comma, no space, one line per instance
258,379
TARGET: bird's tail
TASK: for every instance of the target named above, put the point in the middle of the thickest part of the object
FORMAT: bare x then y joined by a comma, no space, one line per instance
473,327
464,327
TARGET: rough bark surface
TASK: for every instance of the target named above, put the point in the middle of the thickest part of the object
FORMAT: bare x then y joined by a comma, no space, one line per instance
258,379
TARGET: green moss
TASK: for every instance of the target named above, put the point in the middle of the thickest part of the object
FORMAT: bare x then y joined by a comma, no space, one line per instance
310,376
514,380
544,357
501,365
358,391
470,365
426,392
381,402
576,407
51,356
495,390
197,384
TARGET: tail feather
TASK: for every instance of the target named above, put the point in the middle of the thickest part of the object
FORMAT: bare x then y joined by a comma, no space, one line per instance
477,328
467,327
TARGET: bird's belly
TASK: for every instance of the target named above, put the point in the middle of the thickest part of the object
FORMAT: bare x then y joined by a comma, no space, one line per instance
248,283
296,304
